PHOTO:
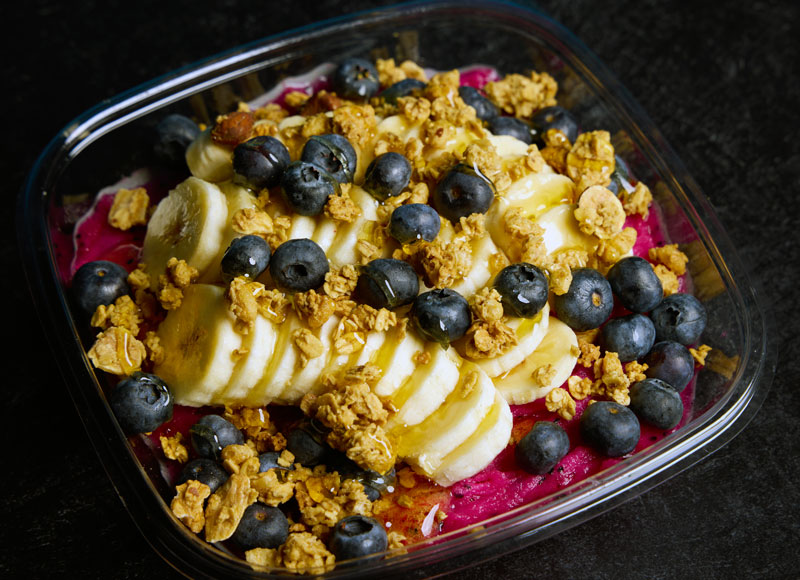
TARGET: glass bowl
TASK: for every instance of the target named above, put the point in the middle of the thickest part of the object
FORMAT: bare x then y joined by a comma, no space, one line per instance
110,141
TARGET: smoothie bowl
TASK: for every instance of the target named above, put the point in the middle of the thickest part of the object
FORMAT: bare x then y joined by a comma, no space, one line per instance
391,294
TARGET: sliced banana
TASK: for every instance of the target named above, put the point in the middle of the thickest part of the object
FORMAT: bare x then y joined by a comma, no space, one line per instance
561,231
395,358
188,224
480,448
426,444
257,346
558,349
209,160
200,345
306,379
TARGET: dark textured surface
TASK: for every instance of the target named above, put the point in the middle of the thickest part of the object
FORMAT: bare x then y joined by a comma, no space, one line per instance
718,79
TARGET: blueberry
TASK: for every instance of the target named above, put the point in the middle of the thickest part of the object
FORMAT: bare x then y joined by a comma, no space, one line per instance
306,442
441,315
610,428
211,434
635,284
259,162
376,483
246,256
671,362
524,289
205,471
355,78
542,447
269,460
462,192
97,283
387,176
656,403
555,117
387,283
588,302
403,88
414,221
261,526
173,135
631,336
306,187
141,403
333,153
298,265
620,177
484,108
511,126
356,536
680,318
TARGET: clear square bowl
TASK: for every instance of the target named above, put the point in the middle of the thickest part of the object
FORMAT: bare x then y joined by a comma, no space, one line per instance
111,140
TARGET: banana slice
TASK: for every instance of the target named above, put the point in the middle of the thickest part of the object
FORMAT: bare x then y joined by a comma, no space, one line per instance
530,332
208,160
307,379
426,444
396,359
188,224
561,230
480,448
558,349
426,388
278,369
199,343
257,347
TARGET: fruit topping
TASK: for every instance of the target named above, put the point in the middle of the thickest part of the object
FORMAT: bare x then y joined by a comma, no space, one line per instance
259,162
299,265
387,176
246,256
441,315
656,403
542,447
610,428
269,460
512,126
173,135
205,471
671,362
355,78
555,117
414,221
333,153
462,192
680,318
635,284
588,302
356,536
387,283
376,483
99,282
141,403
307,443
261,526
485,109
306,188
524,289
631,336
403,88
211,434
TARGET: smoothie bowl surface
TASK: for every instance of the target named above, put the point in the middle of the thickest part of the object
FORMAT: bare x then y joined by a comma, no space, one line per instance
474,511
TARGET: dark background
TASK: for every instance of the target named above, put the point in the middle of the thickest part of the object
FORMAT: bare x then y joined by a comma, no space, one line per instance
720,81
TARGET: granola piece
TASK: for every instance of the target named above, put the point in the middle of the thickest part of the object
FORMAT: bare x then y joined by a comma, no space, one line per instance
580,388
355,122
700,353
669,280
488,336
543,375
591,160
320,102
241,459
634,370
123,313
561,402
443,84
416,110
281,224
187,505
317,124
308,344
315,309
178,276
487,305
671,257
522,96
445,263
139,283
233,128
243,302
612,380
556,149
560,266
173,448
256,425
637,202
421,357
272,489
341,283
389,73
303,552
369,447
455,111
152,344
436,135
361,319
599,212
273,305
341,207
117,351
527,238
611,250
129,208
367,251
497,262
226,507
272,111
349,405
252,221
